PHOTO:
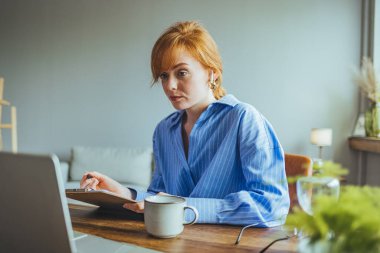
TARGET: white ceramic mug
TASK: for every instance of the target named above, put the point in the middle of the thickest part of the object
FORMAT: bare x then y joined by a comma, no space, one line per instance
164,215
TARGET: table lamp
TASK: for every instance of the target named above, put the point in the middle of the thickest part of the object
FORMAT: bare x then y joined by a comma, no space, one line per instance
321,137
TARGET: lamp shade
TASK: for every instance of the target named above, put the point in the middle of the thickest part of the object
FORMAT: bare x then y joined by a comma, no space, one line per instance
321,136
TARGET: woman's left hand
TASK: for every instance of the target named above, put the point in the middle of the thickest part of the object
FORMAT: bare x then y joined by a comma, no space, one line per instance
138,207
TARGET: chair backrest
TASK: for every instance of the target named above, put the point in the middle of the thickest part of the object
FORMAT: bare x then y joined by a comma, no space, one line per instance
296,165
12,125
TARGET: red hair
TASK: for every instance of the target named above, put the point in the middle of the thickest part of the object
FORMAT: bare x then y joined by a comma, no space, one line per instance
192,37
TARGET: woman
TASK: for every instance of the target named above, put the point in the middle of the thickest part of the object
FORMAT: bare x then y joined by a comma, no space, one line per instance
220,154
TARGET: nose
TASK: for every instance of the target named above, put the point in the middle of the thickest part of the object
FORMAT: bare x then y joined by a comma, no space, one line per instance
172,83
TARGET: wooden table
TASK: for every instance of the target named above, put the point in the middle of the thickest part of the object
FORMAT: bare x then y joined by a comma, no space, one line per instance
364,145
195,238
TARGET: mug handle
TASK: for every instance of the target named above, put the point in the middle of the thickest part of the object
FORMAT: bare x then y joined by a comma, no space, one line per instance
196,214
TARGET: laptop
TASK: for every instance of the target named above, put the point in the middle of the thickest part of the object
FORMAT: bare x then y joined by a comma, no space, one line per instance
34,215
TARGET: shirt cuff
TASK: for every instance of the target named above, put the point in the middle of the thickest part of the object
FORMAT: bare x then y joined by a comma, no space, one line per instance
208,210
139,195
133,192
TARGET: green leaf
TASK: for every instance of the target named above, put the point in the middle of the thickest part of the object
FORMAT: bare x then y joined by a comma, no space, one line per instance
351,223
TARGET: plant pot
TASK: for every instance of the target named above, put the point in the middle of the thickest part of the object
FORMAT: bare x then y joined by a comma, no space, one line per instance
372,121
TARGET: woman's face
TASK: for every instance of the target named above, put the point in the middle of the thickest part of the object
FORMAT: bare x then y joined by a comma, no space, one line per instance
186,83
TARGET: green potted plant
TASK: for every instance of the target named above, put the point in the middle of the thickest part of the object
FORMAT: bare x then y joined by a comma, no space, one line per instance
350,223
368,83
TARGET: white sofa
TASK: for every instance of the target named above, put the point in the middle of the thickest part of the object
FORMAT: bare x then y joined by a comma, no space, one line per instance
131,167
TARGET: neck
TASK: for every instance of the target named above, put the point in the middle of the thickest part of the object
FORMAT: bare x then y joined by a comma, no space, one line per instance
194,112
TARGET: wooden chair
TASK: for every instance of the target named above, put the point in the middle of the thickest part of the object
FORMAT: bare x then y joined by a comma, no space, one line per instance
13,125
296,165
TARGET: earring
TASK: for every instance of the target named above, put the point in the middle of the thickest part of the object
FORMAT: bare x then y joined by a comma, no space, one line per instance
212,81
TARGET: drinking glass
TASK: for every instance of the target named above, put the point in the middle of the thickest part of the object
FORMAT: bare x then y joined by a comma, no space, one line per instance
308,188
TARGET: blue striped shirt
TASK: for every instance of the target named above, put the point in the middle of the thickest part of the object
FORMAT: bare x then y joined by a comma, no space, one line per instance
234,173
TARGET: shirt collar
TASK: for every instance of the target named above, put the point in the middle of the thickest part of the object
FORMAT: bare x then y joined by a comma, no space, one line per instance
176,118
229,100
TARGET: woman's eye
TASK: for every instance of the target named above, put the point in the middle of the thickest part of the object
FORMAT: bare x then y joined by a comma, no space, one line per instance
182,73
164,76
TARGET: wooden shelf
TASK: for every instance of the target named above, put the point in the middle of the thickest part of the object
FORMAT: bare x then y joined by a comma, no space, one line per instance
367,144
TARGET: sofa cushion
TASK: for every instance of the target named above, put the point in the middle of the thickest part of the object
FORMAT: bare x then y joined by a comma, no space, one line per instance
64,170
125,165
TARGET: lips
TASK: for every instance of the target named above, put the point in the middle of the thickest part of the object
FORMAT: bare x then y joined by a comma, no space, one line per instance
175,98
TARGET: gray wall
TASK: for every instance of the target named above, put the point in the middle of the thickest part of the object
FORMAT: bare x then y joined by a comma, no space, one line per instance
373,160
78,70
376,50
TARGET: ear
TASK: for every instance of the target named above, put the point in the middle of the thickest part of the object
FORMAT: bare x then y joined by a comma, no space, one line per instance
216,75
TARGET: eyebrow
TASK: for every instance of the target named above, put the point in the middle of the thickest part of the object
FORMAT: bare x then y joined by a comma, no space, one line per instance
179,64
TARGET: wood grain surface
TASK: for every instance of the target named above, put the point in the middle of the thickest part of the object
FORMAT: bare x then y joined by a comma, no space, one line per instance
121,226
367,144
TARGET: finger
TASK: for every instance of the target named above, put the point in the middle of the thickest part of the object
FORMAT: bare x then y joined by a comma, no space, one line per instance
84,184
90,175
93,184
87,184
83,179
136,207
96,174
85,176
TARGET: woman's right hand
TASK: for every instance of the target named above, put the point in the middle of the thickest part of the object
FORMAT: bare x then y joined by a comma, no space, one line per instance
97,181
